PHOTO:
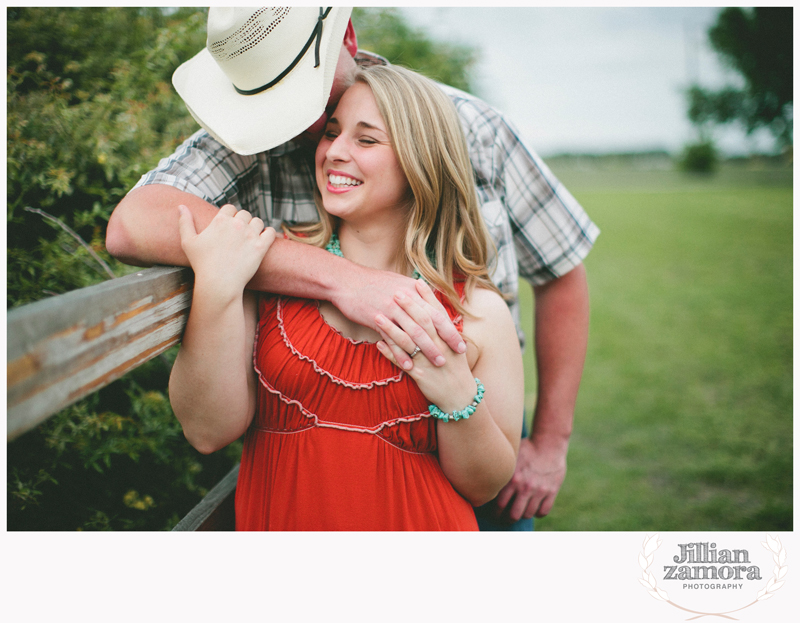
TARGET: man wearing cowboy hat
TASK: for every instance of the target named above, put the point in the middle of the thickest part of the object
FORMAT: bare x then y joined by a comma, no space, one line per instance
262,90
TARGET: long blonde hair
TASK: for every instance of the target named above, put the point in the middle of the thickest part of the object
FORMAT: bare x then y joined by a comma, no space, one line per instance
445,234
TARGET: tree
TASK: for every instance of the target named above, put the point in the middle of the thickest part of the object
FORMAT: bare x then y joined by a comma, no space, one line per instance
699,157
385,32
758,44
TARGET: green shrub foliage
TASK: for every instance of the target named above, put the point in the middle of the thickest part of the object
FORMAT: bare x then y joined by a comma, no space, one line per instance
757,43
90,108
699,157
386,32
115,461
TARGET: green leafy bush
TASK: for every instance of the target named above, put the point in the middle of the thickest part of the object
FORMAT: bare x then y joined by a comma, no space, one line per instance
386,32
90,108
115,461
699,157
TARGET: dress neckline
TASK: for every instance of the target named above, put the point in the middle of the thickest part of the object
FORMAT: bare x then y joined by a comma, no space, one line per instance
362,352
336,331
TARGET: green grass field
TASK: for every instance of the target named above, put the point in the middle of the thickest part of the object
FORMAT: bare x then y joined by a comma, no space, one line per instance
684,418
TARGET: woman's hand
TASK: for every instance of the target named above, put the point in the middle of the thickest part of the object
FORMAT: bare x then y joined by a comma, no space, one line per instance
226,254
477,455
451,386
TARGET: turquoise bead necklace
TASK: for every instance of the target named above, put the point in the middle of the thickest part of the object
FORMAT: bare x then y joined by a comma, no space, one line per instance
334,247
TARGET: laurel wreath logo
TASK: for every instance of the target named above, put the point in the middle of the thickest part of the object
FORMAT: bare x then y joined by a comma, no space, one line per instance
648,580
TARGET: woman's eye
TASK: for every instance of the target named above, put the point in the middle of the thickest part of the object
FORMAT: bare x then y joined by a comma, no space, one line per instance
365,140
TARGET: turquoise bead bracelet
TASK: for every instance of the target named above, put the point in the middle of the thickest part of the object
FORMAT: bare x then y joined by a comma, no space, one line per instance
464,413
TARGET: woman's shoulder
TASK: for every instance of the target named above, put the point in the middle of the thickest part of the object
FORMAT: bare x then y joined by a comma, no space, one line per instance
489,325
481,301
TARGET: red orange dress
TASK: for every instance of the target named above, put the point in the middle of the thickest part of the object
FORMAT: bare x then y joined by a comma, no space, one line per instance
341,438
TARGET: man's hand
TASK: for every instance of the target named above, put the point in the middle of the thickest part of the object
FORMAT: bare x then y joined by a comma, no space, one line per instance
562,328
450,386
537,478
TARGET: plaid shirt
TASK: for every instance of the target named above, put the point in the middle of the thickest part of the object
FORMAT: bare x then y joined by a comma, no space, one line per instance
540,231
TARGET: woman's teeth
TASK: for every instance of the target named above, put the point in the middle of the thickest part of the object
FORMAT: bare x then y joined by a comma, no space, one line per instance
341,180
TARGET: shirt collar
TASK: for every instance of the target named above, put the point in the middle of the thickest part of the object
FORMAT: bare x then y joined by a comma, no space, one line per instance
367,59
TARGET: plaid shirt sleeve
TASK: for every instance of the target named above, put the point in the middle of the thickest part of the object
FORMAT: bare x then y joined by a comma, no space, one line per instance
204,167
277,185
551,232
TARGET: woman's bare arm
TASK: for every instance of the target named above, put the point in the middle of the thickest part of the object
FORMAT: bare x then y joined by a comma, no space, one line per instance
212,384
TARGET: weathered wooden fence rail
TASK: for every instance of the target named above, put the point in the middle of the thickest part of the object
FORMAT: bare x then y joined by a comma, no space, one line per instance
62,349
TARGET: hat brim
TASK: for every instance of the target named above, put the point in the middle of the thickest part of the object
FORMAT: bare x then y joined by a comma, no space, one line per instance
249,124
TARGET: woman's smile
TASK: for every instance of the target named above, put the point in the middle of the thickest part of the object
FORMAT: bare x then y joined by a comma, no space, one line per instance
341,182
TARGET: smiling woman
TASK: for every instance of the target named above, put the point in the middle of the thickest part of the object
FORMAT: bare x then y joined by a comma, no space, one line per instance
336,435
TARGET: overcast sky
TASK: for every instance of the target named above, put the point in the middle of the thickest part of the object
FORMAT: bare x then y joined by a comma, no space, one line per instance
591,79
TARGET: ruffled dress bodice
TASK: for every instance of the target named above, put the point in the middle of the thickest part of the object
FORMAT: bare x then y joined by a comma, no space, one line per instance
341,439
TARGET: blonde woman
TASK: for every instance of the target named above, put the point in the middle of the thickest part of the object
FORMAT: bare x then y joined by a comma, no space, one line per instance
337,437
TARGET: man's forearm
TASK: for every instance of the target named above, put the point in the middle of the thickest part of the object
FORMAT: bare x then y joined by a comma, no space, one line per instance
143,230
297,269
562,330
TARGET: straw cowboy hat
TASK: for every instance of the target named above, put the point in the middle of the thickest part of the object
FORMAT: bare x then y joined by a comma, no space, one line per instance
265,75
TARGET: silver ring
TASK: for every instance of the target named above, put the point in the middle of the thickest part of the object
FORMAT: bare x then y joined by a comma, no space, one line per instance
416,350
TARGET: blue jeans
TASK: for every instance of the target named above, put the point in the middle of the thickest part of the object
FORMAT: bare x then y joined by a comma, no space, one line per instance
486,514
